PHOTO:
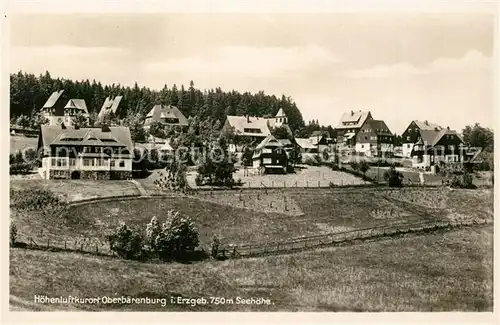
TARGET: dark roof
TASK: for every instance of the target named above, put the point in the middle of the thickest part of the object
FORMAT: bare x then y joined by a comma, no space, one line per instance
55,135
432,137
379,127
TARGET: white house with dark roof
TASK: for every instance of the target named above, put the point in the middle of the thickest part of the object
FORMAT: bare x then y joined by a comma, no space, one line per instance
168,115
110,106
437,145
87,153
254,128
57,113
349,126
412,133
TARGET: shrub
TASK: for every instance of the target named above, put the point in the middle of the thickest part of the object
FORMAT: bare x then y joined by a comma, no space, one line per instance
13,234
364,167
354,165
126,243
464,181
312,161
393,177
177,238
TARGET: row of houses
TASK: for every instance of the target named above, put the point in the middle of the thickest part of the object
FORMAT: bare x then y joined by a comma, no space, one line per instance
357,132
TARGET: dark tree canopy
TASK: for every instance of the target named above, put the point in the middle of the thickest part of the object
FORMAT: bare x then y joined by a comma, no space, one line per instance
29,93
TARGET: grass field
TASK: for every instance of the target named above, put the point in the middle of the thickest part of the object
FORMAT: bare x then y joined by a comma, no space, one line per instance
19,142
314,212
449,271
76,190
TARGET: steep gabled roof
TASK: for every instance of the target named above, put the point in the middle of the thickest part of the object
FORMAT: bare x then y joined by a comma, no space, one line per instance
77,104
426,125
379,127
240,123
305,143
280,113
355,118
432,137
110,105
55,135
269,141
158,112
54,97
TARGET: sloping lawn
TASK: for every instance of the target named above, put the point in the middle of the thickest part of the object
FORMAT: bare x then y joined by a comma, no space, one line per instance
449,271
74,190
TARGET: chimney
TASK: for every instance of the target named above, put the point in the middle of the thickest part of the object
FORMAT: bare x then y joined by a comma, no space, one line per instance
352,113
436,129
426,122
105,128
448,128
248,118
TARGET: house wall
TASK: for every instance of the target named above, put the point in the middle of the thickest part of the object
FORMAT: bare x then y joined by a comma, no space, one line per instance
407,148
68,165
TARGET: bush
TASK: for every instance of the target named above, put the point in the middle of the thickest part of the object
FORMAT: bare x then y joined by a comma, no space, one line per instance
393,177
126,243
464,181
13,234
177,238
364,167
354,165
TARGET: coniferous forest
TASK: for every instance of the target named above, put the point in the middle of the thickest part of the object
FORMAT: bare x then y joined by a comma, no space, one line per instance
29,92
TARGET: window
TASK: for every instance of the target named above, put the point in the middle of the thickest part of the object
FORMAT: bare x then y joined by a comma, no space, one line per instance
72,162
112,163
99,162
267,150
86,162
267,161
53,163
122,163
92,162
362,146
408,138
98,149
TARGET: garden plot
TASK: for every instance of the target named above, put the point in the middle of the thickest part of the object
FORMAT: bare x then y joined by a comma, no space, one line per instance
260,200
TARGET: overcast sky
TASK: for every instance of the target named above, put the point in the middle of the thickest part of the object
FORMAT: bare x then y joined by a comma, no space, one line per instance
400,66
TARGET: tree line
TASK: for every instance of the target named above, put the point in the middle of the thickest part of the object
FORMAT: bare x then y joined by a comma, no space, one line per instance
29,92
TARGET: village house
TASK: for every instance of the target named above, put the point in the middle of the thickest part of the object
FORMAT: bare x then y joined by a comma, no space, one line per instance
57,113
109,107
253,129
167,115
435,146
322,140
349,126
374,139
86,153
412,133
270,156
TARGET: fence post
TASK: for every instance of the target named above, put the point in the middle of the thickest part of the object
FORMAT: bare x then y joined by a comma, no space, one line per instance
97,249
319,183
64,245
284,184
81,247
48,243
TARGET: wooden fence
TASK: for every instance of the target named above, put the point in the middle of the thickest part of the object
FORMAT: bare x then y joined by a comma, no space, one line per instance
331,239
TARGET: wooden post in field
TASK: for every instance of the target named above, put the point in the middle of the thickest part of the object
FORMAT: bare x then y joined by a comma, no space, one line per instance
64,245
48,243
319,183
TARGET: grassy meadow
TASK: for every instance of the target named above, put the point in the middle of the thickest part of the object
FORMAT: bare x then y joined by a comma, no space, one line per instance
449,271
